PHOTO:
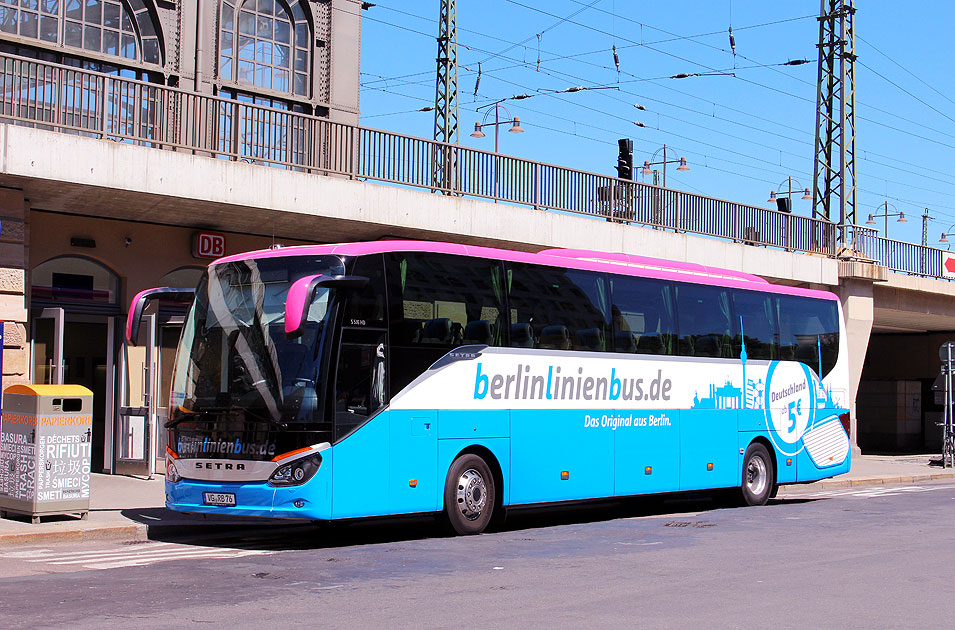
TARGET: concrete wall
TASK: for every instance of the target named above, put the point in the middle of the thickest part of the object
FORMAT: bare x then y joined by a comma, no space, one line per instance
123,181
14,234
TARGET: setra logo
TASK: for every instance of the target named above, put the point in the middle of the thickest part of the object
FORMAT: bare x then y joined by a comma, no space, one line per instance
219,466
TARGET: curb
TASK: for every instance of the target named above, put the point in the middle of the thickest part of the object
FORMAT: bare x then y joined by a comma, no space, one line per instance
126,532
831,484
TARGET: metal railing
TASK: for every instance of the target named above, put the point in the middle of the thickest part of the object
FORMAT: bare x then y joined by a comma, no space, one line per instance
81,102
864,243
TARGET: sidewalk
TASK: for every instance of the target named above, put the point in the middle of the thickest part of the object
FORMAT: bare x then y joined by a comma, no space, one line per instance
121,508
130,508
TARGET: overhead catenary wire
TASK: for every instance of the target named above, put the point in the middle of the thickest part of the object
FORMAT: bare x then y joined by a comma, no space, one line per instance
758,128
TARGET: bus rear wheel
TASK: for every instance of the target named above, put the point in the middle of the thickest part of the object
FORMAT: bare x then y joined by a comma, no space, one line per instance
469,495
758,476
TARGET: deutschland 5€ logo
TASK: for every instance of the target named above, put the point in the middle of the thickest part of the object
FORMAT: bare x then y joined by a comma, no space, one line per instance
790,404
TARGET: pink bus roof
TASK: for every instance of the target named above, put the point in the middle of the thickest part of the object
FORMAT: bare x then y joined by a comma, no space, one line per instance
609,262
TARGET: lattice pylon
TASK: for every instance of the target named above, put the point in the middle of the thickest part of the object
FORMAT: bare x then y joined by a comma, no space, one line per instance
446,99
834,181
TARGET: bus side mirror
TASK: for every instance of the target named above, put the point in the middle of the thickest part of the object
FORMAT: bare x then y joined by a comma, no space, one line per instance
143,298
302,292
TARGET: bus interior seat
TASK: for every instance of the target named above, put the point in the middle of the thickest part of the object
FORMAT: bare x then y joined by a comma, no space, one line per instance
479,332
650,343
591,339
625,342
437,330
457,334
705,346
555,337
407,331
522,335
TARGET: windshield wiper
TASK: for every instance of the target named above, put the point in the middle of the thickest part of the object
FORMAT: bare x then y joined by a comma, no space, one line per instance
203,416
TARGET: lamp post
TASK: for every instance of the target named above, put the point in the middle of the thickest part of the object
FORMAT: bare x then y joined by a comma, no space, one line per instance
652,162
514,122
885,205
478,132
944,237
789,181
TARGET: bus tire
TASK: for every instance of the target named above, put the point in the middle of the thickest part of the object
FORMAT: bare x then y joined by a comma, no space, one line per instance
758,475
469,495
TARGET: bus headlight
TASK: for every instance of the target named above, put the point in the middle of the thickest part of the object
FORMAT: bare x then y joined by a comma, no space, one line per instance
296,473
172,473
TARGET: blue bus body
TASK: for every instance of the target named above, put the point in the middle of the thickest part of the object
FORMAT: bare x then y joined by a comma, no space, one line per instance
593,394
398,461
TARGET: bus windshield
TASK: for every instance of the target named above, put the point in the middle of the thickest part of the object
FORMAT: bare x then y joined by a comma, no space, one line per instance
235,364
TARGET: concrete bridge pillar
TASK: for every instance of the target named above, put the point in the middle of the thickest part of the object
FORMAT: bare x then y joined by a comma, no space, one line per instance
859,312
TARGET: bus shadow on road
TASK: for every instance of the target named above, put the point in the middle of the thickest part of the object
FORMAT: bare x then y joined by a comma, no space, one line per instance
288,534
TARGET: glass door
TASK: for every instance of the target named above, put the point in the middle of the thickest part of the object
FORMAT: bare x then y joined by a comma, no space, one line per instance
136,443
47,348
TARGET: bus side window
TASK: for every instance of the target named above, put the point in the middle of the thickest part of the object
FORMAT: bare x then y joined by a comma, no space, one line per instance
642,315
360,384
367,306
705,319
760,332
558,309
438,302
815,341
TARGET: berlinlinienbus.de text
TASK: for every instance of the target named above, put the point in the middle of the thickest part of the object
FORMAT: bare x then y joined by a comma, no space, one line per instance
523,384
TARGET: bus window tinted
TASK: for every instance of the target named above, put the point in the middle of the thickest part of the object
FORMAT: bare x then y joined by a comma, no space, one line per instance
757,312
705,321
557,309
443,300
366,307
809,332
642,314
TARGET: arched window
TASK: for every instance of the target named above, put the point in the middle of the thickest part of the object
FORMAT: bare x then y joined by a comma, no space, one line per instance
74,279
182,278
265,44
117,28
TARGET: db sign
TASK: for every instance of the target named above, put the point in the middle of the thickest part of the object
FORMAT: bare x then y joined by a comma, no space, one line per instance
208,245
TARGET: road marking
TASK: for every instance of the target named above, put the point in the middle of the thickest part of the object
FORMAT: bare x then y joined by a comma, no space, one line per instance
873,492
132,556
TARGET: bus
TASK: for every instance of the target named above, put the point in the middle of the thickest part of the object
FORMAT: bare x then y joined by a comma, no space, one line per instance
400,377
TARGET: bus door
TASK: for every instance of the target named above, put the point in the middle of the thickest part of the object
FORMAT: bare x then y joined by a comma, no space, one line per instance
363,453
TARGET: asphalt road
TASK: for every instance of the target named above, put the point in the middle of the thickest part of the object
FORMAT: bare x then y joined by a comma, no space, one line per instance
869,558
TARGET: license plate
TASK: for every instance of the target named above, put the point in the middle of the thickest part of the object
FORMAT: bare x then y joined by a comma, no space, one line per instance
218,498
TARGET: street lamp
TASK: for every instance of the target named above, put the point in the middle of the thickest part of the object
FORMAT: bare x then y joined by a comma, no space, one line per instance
789,181
945,235
652,162
514,122
885,205
478,132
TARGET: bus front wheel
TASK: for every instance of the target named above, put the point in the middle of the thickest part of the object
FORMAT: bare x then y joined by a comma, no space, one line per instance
758,476
469,495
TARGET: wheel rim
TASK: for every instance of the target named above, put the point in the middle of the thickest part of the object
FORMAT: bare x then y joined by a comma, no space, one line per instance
756,476
471,494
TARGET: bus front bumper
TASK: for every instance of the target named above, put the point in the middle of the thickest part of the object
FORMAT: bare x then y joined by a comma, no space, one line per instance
310,500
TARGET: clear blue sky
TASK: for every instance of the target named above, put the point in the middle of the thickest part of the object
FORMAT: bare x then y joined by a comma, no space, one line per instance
743,132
